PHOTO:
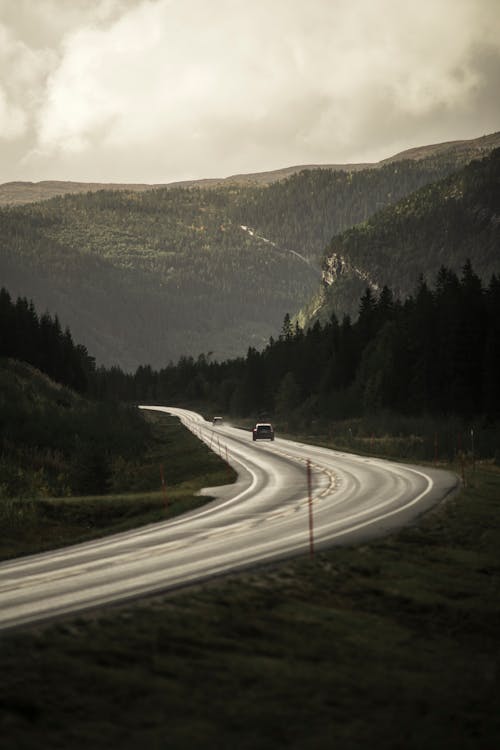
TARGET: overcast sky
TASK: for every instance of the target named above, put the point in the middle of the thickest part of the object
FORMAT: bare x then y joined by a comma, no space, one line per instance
162,90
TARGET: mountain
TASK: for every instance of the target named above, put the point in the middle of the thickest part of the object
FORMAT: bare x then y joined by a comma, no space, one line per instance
456,152
18,193
146,276
443,224
460,152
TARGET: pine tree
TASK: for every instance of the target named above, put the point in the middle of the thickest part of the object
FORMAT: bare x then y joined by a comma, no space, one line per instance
286,329
367,319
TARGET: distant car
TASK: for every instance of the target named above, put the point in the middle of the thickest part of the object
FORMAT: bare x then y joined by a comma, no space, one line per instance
217,421
263,431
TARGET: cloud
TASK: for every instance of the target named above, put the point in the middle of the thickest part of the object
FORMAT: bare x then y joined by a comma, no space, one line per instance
159,90
44,23
21,81
12,119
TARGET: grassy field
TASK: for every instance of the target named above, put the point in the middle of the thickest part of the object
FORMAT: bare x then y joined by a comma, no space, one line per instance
391,645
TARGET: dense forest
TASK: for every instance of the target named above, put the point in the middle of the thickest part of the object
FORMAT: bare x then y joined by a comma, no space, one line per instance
435,354
307,210
442,223
53,441
41,342
147,277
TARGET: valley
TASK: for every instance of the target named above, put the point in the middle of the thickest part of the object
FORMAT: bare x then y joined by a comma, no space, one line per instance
151,275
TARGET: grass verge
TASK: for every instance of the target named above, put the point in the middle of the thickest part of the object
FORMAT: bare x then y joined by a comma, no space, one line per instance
35,525
391,645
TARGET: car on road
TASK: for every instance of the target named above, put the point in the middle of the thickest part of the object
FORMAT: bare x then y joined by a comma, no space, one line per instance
263,431
217,421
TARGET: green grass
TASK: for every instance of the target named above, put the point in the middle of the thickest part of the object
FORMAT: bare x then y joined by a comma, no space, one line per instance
394,644
34,525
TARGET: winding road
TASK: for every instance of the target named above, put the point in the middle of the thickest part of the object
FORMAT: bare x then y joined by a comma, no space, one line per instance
264,516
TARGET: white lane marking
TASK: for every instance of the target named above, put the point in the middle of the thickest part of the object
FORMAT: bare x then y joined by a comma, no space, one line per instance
375,462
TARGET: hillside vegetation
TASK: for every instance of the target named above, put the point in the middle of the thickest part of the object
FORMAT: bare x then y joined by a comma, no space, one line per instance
426,365
455,152
40,341
444,223
73,469
54,442
145,277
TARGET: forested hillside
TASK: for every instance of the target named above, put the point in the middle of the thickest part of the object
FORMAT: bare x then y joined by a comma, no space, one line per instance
54,442
57,440
40,341
456,153
146,277
433,356
441,224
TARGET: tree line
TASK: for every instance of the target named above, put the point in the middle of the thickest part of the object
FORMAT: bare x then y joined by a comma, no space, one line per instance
436,353
53,440
441,223
173,267
40,341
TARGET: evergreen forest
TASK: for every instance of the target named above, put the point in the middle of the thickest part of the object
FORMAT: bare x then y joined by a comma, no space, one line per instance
55,439
435,353
41,342
432,356
146,277
442,223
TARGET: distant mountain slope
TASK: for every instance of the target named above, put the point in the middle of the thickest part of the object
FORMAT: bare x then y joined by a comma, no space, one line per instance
456,152
460,152
18,193
146,277
445,223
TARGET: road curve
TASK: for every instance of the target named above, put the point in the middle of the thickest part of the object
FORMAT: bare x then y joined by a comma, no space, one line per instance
264,516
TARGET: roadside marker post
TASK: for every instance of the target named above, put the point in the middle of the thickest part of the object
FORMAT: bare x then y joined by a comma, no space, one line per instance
163,487
473,453
311,529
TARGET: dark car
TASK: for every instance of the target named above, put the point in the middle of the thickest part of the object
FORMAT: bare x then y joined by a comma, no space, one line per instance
263,431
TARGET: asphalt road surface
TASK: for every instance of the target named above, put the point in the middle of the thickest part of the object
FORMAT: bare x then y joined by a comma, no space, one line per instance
277,508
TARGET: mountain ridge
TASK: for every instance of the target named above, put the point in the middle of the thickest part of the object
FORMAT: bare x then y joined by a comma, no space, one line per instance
446,223
147,277
19,192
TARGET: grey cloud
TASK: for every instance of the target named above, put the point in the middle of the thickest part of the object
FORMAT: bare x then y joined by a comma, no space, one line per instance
159,90
485,61
44,23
